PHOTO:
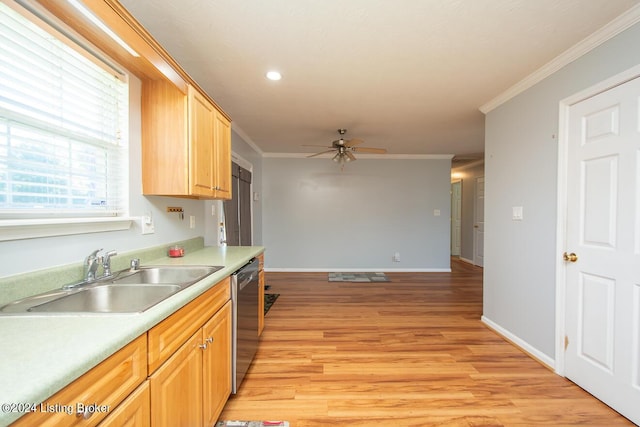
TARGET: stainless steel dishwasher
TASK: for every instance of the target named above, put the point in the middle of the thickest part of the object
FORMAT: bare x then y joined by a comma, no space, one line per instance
244,298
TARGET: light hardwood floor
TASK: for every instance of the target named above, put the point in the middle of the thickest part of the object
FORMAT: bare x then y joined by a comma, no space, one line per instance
411,352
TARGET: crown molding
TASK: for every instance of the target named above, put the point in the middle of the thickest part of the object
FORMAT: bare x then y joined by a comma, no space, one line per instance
242,134
610,30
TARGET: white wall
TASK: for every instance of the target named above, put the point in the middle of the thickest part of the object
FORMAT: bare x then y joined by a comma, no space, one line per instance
521,169
23,256
316,217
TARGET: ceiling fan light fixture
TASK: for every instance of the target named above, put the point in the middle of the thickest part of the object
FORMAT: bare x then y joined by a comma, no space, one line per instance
337,157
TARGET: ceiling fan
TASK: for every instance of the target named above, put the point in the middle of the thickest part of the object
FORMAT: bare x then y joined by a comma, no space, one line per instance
344,148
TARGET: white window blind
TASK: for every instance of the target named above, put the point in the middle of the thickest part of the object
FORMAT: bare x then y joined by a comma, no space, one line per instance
63,127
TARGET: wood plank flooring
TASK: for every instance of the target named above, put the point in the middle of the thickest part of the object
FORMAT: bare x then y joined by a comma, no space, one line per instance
410,352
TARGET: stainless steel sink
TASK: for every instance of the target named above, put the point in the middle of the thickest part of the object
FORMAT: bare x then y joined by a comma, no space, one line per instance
164,274
109,299
126,291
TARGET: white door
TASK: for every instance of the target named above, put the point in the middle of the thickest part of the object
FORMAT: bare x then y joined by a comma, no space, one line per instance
602,312
478,226
456,217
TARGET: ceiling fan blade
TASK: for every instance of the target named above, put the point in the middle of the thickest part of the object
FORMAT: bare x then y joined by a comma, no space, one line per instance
370,150
314,145
351,156
322,152
352,142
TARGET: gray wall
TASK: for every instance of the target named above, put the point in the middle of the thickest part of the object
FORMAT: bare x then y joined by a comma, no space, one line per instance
521,169
316,217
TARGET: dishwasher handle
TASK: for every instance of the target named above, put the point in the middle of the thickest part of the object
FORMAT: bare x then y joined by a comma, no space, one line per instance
246,281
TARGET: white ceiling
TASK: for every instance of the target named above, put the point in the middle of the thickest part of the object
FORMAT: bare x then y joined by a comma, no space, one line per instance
406,75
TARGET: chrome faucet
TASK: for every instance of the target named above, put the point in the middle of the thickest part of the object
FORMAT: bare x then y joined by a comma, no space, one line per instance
91,263
106,262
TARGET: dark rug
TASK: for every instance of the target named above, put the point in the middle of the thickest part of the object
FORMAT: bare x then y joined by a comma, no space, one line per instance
269,299
358,277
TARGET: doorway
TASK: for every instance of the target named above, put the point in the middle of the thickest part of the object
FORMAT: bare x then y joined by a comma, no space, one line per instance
456,218
478,223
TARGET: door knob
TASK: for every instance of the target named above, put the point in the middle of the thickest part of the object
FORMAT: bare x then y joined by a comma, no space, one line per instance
570,257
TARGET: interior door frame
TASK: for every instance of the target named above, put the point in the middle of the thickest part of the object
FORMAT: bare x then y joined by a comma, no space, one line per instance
476,210
458,182
562,193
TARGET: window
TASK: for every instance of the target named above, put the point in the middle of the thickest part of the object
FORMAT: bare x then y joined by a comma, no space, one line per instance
63,125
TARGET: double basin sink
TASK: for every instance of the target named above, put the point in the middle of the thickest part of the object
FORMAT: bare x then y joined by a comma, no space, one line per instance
126,291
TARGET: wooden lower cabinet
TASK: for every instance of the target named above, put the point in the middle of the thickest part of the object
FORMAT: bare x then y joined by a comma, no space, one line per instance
134,411
216,364
192,386
176,387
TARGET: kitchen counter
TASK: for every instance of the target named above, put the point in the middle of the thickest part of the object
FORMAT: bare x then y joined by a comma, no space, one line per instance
41,354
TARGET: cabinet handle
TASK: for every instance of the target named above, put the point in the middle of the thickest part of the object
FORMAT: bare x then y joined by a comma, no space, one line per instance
85,415
203,346
209,340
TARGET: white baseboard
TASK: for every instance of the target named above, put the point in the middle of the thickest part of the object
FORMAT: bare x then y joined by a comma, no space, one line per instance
526,347
468,261
356,270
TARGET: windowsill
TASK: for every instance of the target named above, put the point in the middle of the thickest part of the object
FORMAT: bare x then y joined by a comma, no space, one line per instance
34,228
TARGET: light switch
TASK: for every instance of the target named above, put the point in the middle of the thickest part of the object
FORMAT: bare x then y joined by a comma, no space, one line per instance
436,212
517,213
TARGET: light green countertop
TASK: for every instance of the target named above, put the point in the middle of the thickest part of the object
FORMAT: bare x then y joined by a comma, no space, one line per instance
41,354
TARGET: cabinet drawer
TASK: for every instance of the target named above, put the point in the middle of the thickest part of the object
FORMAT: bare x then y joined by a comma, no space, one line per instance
106,385
167,336
134,411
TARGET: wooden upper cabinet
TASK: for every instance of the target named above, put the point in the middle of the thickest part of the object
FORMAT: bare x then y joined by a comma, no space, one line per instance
222,157
186,144
202,119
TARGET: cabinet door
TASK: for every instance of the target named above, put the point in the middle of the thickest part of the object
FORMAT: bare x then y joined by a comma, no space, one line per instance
222,157
135,411
176,387
216,364
201,136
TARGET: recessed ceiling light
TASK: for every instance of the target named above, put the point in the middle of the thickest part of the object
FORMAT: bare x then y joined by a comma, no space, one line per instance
274,75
